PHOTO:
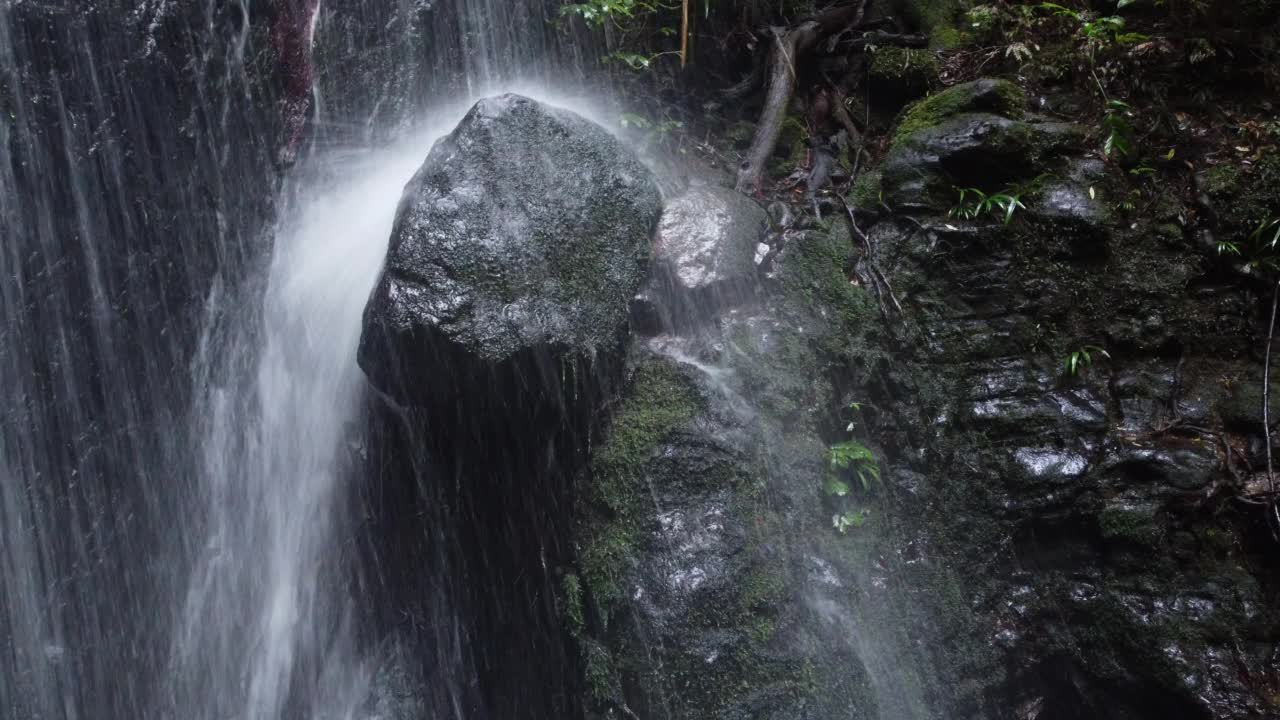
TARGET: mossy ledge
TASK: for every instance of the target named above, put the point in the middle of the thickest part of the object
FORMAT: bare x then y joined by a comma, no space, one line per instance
1000,97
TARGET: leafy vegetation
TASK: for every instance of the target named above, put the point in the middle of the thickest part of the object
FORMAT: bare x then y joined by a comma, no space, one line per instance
849,460
1081,359
1261,251
1117,130
973,203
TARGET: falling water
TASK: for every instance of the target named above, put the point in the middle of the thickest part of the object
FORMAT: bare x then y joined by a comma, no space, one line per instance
181,406
261,596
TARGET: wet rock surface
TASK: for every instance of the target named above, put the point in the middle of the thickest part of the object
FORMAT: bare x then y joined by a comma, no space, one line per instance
710,580
1091,559
706,241
526,232
971,135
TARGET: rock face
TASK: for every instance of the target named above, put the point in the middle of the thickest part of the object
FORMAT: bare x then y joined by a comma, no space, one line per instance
974,134
710,581
705,256
527,230
707,239
1089,558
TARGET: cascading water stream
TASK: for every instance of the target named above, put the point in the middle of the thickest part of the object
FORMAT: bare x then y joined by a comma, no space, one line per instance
262,595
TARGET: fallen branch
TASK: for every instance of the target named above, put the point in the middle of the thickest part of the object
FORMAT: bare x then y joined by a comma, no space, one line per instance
787,46
880,38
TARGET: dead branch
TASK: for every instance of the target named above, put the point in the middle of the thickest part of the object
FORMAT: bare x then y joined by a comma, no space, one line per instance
787,47
752,81
840,109
882,39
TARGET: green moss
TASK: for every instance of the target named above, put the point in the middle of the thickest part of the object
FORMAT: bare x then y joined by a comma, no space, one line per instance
907,71
1244,196
573,609
791,150
946,38
939,19
996,96
1129,524
659,400
866,191
813,275
601,680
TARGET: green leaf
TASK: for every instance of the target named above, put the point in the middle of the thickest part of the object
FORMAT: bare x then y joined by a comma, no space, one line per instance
835,486
635,121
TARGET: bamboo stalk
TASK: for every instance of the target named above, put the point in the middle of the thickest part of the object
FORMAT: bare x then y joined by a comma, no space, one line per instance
684,33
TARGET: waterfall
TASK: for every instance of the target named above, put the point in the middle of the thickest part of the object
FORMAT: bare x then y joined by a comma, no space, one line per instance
181,405
265,600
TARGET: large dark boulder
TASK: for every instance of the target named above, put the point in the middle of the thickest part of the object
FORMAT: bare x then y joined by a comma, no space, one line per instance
517,248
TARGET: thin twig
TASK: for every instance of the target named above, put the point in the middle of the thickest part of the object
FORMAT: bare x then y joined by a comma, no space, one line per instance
877,277
1273,517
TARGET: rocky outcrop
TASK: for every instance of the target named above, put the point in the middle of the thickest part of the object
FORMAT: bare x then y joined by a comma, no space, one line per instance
1093,556
517,248
970,135
711,581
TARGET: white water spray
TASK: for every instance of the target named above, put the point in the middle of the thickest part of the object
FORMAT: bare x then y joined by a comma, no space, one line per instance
260,605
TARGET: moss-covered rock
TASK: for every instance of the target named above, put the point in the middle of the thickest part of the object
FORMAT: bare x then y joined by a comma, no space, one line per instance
998,97
903,73
1244,196
717,584
865,193
1076,510
497,255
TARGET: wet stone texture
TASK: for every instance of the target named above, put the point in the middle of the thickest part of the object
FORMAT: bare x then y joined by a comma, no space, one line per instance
710,582
1089,558
520,242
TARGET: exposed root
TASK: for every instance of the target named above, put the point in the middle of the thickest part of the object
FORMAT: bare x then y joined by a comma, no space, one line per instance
1273,511
878,279
787,47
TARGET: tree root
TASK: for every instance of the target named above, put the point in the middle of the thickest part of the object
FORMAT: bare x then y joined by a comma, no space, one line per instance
788,45
1273,511
878,279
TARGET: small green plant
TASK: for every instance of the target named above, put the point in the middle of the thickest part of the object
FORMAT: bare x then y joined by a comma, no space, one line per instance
654,131
636,61
1261,250
1097,32
856,458
1081,359
849,519
1117,130
602,12
973,203
849,460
